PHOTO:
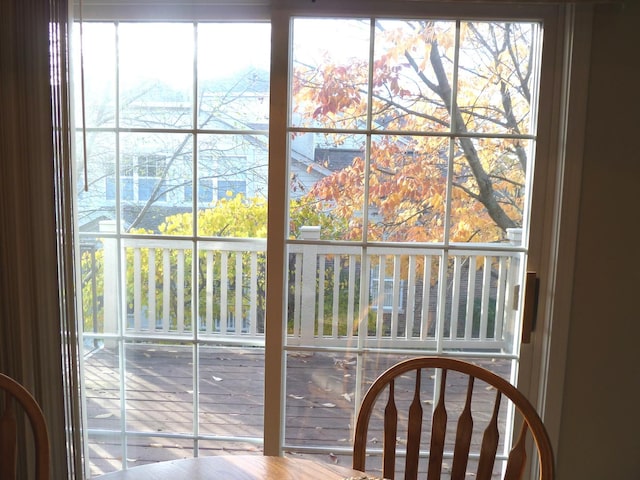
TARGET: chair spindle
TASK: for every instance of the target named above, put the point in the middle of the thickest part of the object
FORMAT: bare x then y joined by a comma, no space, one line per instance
517,456
463,436
390,435
489,443
414,432
438,432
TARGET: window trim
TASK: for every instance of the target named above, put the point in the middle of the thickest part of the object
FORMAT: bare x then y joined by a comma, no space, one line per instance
555,262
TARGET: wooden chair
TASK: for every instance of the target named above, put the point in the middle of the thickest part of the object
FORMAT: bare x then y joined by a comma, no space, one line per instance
407,386
13,392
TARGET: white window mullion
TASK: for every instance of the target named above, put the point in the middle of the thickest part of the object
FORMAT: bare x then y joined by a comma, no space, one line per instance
276,248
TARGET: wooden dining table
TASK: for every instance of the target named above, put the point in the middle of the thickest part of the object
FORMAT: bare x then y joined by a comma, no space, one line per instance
238,467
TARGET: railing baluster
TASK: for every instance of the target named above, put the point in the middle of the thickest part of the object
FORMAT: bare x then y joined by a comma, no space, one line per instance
224,291
395,296
322,260
137,290
471,298
336,296
166,290
351,295
411,297
382,259
239,314
151,294
308,292
501,296
253,298
486,290
209,264
455,298
425,319
180,291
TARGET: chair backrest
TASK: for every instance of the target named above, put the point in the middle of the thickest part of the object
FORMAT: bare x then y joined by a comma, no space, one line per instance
408,385
15,392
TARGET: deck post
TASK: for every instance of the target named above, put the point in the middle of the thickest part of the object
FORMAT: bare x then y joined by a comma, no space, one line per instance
515,278
110,293
309,277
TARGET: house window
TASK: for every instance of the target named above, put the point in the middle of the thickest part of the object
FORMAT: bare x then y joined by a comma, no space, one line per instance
141,179
403,148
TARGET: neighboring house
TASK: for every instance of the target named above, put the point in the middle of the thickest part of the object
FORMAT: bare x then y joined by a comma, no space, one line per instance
156,168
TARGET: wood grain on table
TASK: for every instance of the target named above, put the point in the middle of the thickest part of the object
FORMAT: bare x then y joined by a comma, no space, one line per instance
236,467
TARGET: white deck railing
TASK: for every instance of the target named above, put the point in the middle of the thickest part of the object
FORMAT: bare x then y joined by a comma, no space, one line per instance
395,296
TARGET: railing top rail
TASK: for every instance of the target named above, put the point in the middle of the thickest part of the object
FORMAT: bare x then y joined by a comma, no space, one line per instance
327,249
422,248
231,244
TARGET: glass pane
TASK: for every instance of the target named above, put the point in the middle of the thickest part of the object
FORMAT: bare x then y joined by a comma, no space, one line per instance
103,403
226,447
155,170
232,183
233,76
156,74
320,399
229,404
497,76
412,75
326,187
158,289
407,188
330,70
232,289
403,296
324,294
142,450
489,186
92,287
99,69
98,203
153,404
104,453
478,301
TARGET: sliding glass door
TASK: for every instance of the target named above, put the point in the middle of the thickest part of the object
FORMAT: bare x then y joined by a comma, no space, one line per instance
172,227
275,206
411,143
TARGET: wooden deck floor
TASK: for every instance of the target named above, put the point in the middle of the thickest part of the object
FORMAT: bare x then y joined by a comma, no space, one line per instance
160,407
